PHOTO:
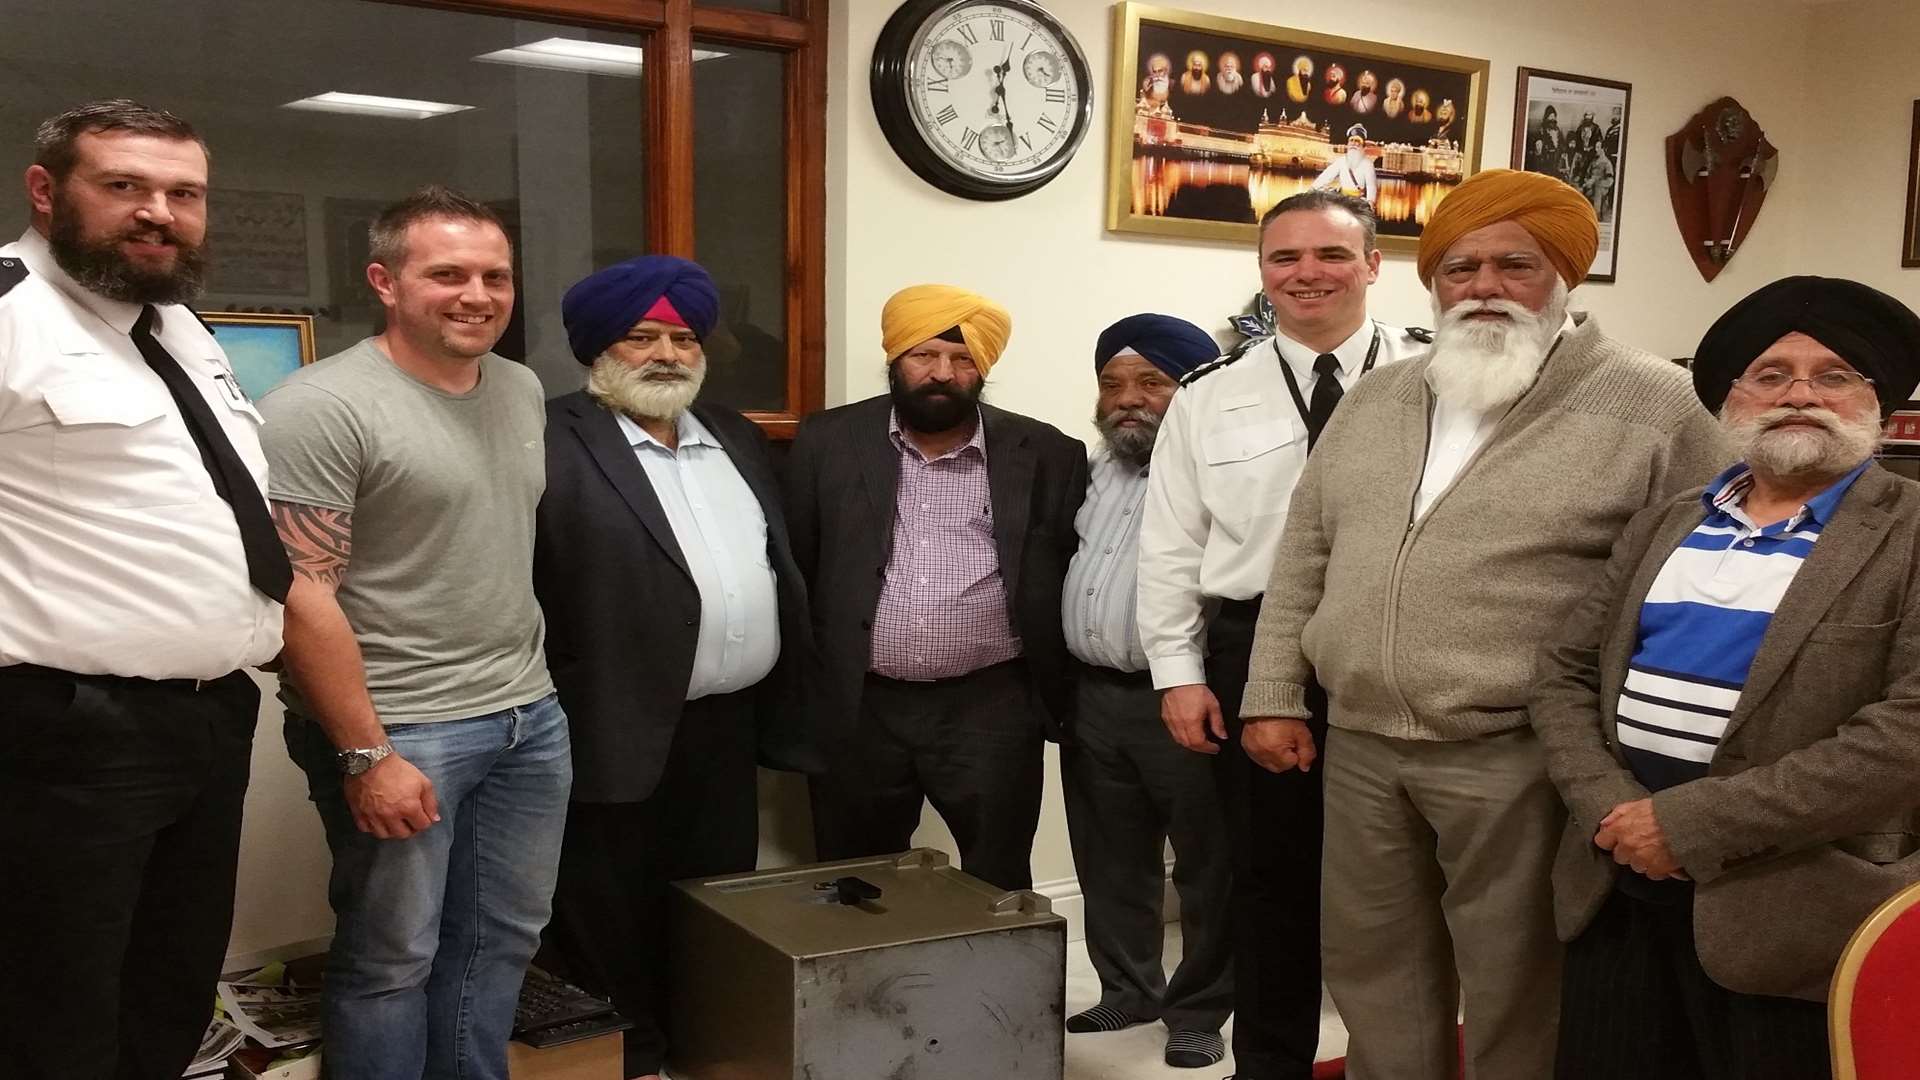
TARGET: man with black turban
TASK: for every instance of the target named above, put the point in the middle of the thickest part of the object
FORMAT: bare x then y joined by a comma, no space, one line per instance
675,617
1731,716
1128,787
934,531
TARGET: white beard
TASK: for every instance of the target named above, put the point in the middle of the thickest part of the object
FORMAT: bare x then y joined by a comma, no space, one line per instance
1485,365
1832,450
627,387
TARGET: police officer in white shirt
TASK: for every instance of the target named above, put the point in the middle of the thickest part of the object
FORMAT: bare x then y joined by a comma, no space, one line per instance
139,573
1230,449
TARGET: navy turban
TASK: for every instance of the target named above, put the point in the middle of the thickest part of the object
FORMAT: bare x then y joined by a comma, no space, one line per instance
603,306
1868,329
1175,346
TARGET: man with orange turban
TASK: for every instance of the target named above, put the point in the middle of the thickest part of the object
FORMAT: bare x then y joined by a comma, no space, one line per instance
934,533
1456,509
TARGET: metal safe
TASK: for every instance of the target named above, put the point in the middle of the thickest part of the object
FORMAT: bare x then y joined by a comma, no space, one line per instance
891,968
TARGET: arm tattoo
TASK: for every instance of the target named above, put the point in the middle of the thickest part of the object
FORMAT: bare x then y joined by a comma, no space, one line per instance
319,541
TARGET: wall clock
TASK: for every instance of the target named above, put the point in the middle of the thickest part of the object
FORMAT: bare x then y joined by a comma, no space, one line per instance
986,99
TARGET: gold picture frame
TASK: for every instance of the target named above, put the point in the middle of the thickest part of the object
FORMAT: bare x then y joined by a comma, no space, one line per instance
1253,135
262,348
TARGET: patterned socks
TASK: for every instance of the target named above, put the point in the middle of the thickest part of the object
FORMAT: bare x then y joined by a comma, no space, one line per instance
1195,1049
1101,1018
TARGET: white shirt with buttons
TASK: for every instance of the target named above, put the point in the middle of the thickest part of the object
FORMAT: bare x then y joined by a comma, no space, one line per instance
722,532
117,557
1455,435
1224,466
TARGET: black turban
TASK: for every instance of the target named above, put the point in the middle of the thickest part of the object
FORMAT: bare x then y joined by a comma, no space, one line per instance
602,307
1175,346
1868,329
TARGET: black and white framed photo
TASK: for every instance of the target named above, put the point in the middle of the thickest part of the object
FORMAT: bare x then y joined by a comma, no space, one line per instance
1574,128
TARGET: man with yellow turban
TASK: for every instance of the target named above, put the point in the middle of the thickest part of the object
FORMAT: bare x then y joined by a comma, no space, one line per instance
1456,508
934,533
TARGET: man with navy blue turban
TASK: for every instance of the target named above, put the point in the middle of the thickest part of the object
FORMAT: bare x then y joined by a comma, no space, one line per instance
1128,787
674,612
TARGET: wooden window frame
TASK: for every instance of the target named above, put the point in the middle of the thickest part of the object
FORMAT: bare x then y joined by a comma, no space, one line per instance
671,27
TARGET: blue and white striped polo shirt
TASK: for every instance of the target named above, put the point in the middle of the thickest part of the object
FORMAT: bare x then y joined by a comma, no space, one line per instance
1702,624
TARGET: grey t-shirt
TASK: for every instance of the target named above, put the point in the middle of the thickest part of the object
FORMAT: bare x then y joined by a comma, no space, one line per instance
442,488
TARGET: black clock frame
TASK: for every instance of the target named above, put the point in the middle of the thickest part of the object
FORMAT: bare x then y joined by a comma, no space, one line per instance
892,63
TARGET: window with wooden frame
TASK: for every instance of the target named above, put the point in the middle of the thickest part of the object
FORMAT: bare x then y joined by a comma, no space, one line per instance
600,129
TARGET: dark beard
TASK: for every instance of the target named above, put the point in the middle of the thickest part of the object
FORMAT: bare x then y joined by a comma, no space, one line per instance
933,408
98,266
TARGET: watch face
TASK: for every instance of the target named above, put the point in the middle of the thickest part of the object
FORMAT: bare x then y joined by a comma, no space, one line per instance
997,91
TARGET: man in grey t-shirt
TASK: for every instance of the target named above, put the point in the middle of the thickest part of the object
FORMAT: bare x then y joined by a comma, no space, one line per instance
404,473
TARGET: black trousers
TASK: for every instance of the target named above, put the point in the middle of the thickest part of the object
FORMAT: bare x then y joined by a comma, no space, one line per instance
970,745
609,933
120,805
1273,825
1129,789
1635,1003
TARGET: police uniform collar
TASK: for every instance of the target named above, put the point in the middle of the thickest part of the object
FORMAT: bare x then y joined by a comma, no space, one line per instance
38,255
1351,353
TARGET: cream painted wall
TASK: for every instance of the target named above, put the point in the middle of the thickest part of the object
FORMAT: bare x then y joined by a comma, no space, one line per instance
1048,257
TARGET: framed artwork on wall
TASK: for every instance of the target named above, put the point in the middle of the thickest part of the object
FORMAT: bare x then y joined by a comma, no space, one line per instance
1215,120
1910,241
263,349
1574,128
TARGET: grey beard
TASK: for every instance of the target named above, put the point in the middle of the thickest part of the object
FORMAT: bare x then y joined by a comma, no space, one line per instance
1132,445
1831,451
1483,366
619,385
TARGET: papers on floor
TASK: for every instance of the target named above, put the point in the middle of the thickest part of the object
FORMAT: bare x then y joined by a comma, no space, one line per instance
271,1009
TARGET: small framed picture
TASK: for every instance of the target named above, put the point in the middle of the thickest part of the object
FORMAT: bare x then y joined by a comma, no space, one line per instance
1574,128
1910,243
1903,432
263,349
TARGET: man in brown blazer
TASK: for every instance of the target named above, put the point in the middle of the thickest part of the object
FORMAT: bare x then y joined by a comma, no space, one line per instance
1733,712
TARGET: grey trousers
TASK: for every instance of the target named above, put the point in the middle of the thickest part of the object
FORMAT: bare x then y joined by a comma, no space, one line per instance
1435,887
1129,788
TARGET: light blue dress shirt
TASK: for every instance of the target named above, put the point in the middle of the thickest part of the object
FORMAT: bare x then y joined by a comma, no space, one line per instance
722,534
1097,605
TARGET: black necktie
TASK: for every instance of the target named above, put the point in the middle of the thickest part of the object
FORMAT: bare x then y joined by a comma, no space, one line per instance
1326,395
267,565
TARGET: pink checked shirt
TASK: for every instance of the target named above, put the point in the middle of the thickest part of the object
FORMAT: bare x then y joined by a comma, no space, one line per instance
943,610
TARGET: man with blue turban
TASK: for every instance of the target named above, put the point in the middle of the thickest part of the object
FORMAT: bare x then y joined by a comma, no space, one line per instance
1128,787
674,608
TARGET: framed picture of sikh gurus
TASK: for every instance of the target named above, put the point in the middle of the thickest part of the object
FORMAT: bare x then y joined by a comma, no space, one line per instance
1574,128
1215,120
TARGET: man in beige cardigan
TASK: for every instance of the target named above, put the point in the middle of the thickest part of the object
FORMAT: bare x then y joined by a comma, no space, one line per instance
1730,712
1458,506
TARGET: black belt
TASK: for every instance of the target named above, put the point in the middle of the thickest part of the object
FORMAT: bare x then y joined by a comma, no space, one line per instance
1113,675
1014,665
36,671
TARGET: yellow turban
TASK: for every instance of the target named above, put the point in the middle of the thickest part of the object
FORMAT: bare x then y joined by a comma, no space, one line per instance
915,314
1558,216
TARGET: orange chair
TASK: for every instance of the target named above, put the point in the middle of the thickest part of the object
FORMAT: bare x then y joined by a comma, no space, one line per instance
1876,995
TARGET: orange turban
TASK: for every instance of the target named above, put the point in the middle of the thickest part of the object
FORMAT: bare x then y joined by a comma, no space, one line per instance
1558,216
916,314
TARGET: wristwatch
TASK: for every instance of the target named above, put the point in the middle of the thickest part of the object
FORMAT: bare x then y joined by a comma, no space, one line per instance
355,762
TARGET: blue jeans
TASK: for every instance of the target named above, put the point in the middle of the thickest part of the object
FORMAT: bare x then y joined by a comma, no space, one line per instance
434,932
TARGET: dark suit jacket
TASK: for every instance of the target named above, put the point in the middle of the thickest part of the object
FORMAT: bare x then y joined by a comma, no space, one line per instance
841,484
623,613
1809,816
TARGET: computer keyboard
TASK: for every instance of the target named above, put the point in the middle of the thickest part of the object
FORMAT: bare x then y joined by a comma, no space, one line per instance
552,1011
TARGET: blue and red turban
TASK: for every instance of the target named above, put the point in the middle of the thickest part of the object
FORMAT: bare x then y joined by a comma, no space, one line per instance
1175,346
603,306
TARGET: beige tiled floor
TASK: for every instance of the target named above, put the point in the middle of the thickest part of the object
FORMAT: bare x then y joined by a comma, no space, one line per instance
1135,1054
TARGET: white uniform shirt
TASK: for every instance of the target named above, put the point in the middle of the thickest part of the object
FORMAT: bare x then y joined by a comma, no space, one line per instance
722,533
1455,434
1224,465
116,555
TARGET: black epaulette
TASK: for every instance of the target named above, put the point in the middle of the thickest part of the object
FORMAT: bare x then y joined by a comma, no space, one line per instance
12,272
1420,334
1239,351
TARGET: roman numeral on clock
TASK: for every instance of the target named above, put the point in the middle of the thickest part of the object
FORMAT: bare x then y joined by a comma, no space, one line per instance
968,138
966,31
1056,95
947,115
936,86
1046,122
997,29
